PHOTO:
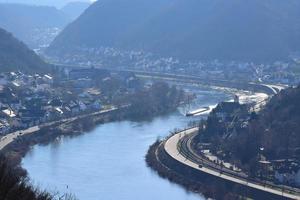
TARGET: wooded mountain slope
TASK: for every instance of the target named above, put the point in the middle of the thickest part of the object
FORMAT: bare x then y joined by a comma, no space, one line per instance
274,132
251,30
15,55
28,22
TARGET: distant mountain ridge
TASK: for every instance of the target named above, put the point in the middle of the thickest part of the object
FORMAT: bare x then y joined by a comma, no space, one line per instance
256,30
26,22
15,55
56,3
75,9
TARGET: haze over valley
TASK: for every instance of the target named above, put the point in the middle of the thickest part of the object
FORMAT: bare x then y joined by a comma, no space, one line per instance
38,25
140,99
259,30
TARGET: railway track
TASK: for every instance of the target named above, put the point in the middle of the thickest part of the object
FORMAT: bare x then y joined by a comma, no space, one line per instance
184,148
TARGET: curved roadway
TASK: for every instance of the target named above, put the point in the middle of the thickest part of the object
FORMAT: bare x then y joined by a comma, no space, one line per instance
9,138
172,146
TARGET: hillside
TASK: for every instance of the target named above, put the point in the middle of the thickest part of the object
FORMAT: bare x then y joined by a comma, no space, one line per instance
277,127
257,30
34,25
272,136
14,55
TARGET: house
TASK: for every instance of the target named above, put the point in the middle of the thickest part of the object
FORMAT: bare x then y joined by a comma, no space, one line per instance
12,75
59,111
82,106
48,79
11,117
8,112
287,171
93,92
75,109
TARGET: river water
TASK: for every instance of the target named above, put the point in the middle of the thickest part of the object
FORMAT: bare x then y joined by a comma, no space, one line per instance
108,162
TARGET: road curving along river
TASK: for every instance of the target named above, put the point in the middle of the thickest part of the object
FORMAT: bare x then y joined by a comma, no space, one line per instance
108,162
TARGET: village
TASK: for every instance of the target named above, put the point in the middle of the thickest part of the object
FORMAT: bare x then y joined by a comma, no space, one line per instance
30,100
278,72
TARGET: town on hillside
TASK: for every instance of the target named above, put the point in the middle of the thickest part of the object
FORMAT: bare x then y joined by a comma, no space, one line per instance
30,100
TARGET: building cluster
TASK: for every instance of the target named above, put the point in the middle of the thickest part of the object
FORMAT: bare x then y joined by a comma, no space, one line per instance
282,171
41,38
30,100
284,72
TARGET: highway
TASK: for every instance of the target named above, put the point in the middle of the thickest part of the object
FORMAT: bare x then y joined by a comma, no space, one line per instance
6,140
270,90
173,147
185,78
9,138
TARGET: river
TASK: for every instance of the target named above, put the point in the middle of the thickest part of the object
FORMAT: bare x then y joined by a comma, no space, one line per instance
108,162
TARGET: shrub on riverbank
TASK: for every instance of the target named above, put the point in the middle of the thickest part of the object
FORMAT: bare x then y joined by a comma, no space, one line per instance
14,186
158,99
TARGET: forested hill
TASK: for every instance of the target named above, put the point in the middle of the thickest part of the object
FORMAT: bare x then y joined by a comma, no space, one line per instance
75,9
15,55
274,133
278,126
256,30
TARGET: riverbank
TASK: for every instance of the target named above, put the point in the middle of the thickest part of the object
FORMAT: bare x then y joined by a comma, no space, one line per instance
167,161
21,142
159,161
15,146
111,157
162,128
173,164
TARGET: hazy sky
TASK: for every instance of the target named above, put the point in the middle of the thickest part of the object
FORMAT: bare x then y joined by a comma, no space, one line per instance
57,3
